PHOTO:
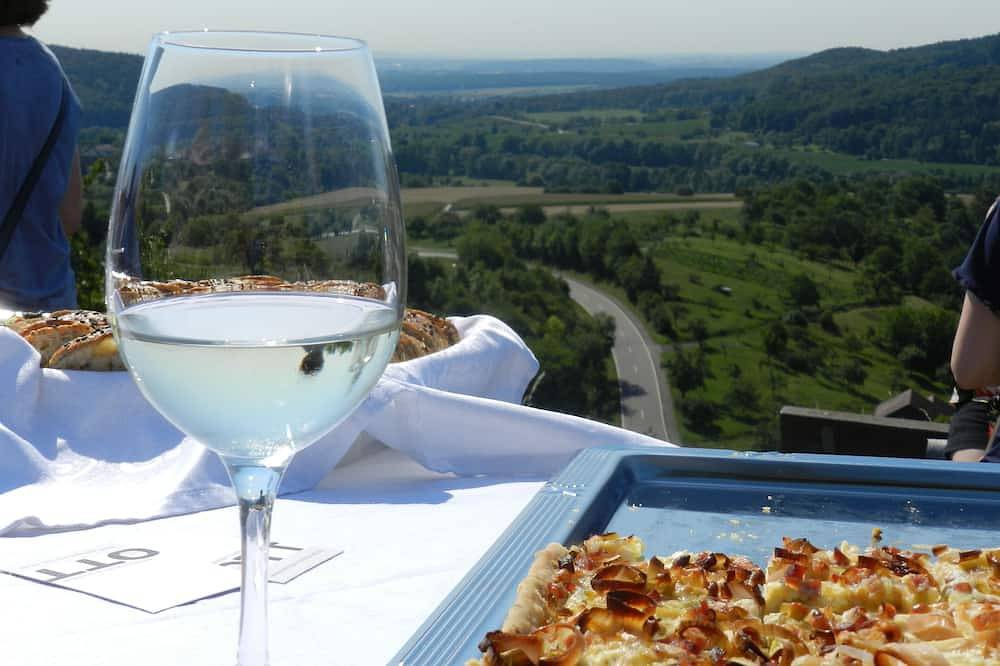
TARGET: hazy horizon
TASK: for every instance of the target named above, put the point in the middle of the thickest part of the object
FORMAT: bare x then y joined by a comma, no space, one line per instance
529,29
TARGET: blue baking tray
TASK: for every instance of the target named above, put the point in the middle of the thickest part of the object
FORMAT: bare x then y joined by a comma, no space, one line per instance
700,499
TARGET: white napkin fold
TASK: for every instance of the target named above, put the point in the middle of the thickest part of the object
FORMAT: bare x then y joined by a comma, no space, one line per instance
79,449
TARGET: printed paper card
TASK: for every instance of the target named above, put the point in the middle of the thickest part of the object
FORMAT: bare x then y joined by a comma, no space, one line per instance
154,579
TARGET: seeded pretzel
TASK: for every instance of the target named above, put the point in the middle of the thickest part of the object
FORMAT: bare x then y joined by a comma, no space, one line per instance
81,339
96,351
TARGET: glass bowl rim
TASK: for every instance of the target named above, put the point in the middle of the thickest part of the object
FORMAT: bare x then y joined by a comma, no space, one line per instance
321,43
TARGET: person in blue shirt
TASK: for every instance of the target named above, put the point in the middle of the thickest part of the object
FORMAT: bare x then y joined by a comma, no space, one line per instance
975,354
35,271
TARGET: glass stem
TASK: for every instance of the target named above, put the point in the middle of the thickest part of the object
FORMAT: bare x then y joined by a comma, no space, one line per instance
256,487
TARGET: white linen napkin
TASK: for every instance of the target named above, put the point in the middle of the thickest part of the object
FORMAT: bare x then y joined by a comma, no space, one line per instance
84,448
79,449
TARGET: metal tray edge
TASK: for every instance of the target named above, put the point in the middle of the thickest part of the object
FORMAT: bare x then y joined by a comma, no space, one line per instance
444,634
437,642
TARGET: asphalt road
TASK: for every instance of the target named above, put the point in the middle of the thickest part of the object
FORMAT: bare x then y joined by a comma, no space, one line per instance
647,406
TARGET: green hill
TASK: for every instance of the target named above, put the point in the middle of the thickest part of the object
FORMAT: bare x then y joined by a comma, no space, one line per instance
105,83
934,103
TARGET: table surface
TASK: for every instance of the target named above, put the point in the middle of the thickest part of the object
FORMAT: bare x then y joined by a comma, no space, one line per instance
408,535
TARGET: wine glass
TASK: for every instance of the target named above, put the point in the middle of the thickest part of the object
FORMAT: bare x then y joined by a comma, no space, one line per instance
255,274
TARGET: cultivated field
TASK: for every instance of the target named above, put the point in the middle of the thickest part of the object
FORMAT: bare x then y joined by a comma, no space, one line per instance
515,195
426,200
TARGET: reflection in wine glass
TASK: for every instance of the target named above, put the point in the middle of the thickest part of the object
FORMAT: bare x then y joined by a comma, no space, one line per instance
256,261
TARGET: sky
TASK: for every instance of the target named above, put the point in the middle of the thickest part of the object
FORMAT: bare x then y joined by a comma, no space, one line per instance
539,28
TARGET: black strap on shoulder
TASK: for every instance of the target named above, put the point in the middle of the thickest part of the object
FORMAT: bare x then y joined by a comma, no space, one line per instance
16,211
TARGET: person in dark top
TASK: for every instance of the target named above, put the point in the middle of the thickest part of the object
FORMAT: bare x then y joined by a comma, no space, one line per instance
975,355
35,271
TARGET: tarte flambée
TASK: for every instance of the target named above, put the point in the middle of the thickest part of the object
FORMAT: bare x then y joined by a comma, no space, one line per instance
603,603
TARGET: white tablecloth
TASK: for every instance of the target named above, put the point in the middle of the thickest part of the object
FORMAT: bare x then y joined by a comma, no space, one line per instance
408,534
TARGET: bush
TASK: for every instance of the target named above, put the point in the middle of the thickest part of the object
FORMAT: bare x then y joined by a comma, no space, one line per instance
743,396
657,313
796,318
803,291
853,372
828,323
920,338
662,320
700,412
687,370
806,361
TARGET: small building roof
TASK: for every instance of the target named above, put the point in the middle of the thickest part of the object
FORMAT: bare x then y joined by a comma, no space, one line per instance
908,403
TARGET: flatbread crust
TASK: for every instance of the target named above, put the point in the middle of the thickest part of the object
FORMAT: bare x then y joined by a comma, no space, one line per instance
531,603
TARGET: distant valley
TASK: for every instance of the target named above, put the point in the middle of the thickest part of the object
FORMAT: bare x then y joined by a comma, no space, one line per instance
784,231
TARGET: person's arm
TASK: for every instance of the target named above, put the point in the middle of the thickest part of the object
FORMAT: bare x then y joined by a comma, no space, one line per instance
71,207
968,455
975,354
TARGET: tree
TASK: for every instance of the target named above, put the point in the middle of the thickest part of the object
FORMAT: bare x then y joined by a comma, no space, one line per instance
621,246
879,276
744,396
657,313
629,274
775,339
803,291
687,370
89,270
532,214
485,245
637,274
592,242
488,213
921,338
698,330
93,225
854,373
417,227
700,412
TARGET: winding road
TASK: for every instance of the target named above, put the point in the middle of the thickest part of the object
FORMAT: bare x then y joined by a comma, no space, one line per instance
646,404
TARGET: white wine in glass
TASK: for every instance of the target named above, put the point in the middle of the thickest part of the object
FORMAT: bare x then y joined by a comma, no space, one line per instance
256,268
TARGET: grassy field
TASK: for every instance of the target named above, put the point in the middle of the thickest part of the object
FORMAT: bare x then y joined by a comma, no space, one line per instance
698,256
621,208
622,122
634,124
474,93
757,278
427,200
514,195
556,117
842,164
